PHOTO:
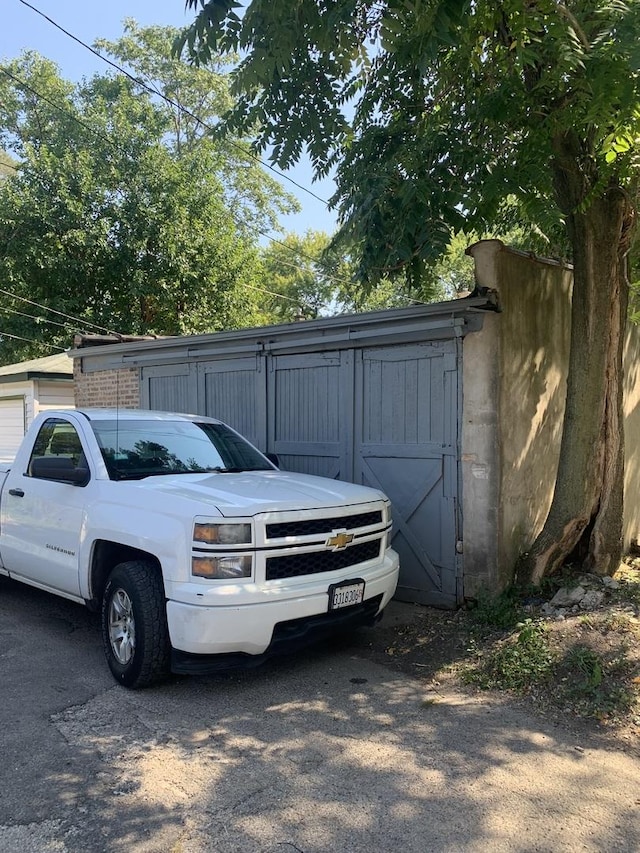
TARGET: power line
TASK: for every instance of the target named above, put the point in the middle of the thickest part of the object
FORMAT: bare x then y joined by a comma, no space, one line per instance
58,313
204,124
172,103
35,317
299,253
30,341
57,107
271,292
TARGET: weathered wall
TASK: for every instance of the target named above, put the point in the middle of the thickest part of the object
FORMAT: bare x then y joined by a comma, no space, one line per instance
480,457
515,373
103,388
529,347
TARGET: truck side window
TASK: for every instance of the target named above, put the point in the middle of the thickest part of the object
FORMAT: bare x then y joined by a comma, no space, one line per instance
57,439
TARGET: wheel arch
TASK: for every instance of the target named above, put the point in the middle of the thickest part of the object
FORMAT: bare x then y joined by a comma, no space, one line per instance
106,555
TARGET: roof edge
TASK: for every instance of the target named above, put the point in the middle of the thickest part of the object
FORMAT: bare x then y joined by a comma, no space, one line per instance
90,345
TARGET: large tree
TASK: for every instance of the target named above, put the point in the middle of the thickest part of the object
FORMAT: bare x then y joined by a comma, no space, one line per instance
442,114
120,213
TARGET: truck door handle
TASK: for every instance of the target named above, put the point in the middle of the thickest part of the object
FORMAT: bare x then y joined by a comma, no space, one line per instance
17,493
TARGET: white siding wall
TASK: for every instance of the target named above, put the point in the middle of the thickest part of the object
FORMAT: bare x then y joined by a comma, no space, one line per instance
51,395
20,402
11,426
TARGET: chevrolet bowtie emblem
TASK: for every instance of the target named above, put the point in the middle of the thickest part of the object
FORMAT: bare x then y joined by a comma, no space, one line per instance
339,540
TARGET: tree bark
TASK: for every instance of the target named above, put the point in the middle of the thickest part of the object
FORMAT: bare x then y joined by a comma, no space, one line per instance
585,518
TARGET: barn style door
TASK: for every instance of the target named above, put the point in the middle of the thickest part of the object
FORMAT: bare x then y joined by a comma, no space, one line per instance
234,391
405,443
310,412
169,388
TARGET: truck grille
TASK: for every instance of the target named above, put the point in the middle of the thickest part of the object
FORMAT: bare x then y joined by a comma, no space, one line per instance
310,526
314,562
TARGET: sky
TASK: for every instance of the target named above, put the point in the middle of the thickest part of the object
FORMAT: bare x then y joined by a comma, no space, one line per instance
21,28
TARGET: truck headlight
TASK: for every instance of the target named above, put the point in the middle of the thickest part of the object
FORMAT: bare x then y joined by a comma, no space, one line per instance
227,567
222,534
387,538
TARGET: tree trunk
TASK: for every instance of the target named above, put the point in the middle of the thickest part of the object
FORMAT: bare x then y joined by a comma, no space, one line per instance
585,518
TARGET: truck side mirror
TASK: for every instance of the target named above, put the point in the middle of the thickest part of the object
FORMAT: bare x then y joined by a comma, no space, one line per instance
273,458
59,468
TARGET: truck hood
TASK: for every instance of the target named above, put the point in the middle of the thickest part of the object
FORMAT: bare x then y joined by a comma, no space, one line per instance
253,492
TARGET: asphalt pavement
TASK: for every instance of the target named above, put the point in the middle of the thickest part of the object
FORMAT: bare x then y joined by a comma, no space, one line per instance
322,752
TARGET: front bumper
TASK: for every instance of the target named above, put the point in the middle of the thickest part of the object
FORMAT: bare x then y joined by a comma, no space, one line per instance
262,628
287,638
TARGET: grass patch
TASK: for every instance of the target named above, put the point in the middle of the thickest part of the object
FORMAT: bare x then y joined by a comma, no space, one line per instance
586,666
497,611
596,684
517,663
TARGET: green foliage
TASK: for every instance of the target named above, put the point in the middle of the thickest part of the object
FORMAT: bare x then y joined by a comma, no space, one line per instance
192,101
436,112
121,213
302,276
588,664
7,164
518,663
307,277
497,611
595,677
596,685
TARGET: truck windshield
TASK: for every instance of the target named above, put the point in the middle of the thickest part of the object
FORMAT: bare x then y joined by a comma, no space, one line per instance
133,449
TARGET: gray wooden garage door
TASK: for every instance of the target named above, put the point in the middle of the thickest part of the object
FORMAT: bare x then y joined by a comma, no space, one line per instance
384,416
310,400
405,443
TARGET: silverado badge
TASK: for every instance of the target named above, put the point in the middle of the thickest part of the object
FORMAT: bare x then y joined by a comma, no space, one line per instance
339,540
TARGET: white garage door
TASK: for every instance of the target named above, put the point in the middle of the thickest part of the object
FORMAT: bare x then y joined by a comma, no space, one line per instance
11,427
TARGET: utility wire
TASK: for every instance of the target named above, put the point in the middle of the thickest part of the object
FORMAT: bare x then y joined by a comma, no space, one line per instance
298,252
196,118
30,341
272,293
35,317
60,109
84,323
171,102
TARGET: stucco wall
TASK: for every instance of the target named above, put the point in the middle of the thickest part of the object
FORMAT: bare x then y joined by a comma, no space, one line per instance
480,457
528,344
103,388
515,373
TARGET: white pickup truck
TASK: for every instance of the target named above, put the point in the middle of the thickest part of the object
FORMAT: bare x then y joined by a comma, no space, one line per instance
198,551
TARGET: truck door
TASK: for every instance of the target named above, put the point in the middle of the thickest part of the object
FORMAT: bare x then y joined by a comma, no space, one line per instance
42,518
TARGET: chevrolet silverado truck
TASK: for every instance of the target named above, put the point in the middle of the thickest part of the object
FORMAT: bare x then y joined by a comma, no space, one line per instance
199,553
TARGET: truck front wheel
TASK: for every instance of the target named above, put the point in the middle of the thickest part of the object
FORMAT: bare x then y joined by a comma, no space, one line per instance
134,625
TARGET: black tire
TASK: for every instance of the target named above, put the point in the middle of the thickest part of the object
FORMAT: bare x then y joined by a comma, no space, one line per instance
134,625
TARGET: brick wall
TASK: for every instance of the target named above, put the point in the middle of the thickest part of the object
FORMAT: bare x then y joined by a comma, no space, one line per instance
103,388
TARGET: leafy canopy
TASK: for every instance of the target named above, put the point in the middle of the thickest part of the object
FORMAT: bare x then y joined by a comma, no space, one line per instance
119,210
435,112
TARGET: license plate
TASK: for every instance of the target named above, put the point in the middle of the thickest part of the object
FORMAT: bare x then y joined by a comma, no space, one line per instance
346,594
